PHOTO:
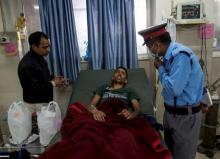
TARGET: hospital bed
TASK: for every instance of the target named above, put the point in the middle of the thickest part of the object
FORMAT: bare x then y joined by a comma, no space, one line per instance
89,80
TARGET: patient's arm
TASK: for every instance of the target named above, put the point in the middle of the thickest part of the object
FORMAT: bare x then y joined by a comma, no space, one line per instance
131,115
97,114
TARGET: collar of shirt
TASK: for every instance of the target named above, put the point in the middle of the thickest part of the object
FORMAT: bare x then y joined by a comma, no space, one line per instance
168,54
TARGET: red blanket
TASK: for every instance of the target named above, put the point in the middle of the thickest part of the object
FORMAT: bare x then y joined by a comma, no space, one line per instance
116,138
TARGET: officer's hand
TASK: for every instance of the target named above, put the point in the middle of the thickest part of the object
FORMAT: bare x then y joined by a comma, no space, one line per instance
204,107
157,63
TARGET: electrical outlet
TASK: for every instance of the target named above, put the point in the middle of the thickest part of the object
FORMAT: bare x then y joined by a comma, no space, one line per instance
4,39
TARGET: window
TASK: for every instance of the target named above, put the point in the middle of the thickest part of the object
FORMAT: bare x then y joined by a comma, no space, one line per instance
80,15
141,23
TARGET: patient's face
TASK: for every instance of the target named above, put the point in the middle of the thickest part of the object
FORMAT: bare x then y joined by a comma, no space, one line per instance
120,76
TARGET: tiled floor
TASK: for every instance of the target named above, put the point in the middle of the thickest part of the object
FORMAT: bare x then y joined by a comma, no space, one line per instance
202,156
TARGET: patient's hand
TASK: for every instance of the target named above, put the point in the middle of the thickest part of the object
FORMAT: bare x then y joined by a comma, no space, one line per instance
98,115
128,115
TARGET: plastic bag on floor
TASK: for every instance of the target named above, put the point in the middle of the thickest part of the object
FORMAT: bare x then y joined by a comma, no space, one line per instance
19,122
49,122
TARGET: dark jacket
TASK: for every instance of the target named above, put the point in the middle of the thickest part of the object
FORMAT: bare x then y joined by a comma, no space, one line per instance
35,79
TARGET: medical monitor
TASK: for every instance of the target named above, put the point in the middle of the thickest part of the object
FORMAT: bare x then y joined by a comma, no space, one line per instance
190,11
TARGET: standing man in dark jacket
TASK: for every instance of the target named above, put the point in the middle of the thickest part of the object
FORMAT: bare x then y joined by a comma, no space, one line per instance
34,75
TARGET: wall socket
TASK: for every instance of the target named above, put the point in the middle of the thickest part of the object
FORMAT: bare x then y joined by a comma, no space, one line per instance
4,39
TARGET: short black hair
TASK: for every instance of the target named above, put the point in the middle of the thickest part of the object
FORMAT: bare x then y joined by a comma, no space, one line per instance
126,71
35,38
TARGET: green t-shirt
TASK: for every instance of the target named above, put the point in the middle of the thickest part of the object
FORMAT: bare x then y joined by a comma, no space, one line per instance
126,94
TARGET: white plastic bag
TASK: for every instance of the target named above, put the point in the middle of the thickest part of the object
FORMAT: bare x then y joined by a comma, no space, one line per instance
19,122
49,122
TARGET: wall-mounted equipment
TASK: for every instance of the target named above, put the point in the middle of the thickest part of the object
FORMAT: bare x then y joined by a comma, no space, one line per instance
190,11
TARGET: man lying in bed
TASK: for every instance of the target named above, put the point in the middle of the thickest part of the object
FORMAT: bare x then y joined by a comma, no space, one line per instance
107,129
118,90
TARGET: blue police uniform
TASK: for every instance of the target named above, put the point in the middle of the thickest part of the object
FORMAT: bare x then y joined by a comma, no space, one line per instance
181,76
182,79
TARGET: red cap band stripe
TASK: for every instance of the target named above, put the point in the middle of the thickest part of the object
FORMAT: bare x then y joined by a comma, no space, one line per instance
155,34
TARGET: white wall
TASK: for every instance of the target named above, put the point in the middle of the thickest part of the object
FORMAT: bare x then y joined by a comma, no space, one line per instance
11,10
163,10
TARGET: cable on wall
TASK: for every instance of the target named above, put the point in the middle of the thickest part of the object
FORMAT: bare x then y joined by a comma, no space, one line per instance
203,59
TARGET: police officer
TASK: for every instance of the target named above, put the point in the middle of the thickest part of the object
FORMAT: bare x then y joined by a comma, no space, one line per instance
182,80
